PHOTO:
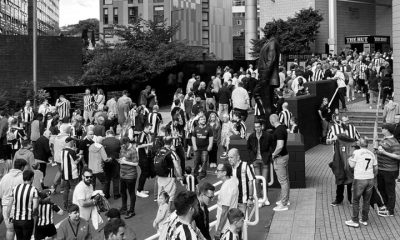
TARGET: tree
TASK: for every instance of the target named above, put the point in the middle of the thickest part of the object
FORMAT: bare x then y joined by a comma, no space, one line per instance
145,51
76,29
295,34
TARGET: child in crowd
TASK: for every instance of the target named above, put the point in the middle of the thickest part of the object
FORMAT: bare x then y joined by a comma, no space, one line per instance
336,116
293,125
38,179
45,228
239,125
163,211
236,220
190,181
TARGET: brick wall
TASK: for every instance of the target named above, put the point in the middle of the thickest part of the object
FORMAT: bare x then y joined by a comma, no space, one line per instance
396,47
58,59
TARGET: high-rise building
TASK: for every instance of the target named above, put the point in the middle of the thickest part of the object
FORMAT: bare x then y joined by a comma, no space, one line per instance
16,17
202,23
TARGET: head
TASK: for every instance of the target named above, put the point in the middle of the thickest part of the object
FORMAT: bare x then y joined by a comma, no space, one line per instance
110,133
225,118
293,121
28,103
125,93
100,120
125,142
233,156
198,99
113,213
325,101
213,117
25,143
28,175
285,105
147,127
224,170
188,170
274,120
167,142
20,164
73,212
186,204
115,229
163,198
236,219
345,121
155,108
388,129
90,135
206,193
363,142
202,120
258,127
87,176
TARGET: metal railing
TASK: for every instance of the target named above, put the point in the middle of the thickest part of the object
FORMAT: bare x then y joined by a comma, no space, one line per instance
254,211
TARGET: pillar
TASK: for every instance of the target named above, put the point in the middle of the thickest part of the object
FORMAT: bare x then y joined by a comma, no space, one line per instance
396,47
250,26
332,41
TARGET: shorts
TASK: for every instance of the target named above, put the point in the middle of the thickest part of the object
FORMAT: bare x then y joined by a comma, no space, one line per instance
168,185
45,231
189,142
9,225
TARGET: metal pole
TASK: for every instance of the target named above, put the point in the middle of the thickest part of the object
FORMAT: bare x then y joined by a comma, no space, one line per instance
250,26
34,35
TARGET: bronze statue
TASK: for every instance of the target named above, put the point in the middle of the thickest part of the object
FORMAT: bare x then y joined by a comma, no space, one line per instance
268,70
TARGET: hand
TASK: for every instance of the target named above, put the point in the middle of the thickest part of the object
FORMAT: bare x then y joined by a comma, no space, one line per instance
250,202
217,235
154,225
194,148
209,149
334,138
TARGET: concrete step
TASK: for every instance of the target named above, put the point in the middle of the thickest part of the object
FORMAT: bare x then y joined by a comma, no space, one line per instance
366,123
365,117
367,129
369,134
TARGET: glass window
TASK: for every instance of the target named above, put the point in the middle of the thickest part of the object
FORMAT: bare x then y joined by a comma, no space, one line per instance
140,1
115,18
130,1
158,1
132,15
158,12
105,15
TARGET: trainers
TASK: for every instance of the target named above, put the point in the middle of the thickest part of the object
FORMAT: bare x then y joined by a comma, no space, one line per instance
335,203
146,192
280,203
262,204
280,208
267,203
350,223
365,223
130,214
385,213
141,194
122,210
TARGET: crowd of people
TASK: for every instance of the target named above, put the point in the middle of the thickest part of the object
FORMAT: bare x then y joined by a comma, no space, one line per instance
125,143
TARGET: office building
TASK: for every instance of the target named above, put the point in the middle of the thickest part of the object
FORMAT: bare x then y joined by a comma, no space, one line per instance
16,17
202,23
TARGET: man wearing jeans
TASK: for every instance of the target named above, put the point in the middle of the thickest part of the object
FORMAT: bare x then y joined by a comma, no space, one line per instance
224,99
280,157
202,140
365,168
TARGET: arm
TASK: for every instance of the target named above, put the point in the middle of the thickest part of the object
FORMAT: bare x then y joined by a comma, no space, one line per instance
278,148
320,115
194,143
210,143
223,219
391,155
86,203
177,165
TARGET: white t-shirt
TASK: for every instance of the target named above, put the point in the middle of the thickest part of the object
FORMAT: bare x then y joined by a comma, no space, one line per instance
365,160
240,98
227,76
228,196
83,192
340,79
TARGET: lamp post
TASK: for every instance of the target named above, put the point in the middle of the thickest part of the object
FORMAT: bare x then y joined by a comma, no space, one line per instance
34,41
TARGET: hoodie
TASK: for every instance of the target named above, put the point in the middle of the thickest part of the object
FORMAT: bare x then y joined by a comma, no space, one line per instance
7,184
25,154
97,155
390,110
59,145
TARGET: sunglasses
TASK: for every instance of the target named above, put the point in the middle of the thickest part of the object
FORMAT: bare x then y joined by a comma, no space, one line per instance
88,177
209,197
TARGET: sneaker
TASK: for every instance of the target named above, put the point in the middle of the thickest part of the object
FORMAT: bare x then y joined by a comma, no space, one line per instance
280,203
130,214
365,223
141,194
335,203
348,99
350,223
385,213
280,208
267,203
370,107
398,180
146,192
122,210
353,98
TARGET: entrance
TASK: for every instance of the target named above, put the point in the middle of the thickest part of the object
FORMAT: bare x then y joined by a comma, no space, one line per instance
368,43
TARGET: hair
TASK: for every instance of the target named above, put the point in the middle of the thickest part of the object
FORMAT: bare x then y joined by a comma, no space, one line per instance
20,163
113,226
258,121
124,92
36,166
156,107
188,170
165,195
294,119
73,208
177,102
25,142
167,141
87,170
228,169
28,175
110,132
100,91
2,113
184,201
39,117
211,106
125,140
234,215
205,187
113,213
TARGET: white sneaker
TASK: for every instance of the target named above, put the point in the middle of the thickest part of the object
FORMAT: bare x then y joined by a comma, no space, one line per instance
146,192
141,194
365,223
280,208
280,203
267,203
350,223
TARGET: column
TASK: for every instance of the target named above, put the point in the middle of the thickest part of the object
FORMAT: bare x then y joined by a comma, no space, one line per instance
250,26
396,47
332,41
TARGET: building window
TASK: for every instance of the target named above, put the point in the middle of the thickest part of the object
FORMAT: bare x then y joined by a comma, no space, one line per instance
239,22
205,37
115,18
130,1
107,2
158,12
205,19
158,1
140,1
105,15
132,15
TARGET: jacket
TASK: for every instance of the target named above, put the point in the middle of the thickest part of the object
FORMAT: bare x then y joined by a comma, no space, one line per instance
266,143
59,145
390,110
7,184
340,165
25,154
42,151
97,156
268,63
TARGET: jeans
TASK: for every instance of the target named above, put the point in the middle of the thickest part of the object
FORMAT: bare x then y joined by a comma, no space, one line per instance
111,171
128,185
223,109
340,192
361,187
69,186
325,128
180,151
214,153
376,198
342,94
386,92
23,229
387,188
282,172
200,162
261,169
145,168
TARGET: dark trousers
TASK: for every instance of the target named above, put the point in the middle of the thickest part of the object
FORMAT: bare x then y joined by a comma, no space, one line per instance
361,188
111,171
264,97
213,153
342,96
180,151
144,165
387,188
128,185
340,192
42,168
23,229
200,161
69,186
386,92
376,198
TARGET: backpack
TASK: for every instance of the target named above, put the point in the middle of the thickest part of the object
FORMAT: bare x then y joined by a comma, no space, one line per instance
11,135
161,165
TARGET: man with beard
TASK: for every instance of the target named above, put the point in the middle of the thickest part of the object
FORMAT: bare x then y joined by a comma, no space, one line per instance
202,140
343,137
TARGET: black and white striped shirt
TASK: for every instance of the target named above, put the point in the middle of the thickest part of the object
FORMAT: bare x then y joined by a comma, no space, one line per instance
318,75
69,168
19,134
337,129
284,117
172,157
144,138
63,109
88,103
154,120
228,235
191,183
244,172
242,129
45,213
24,195
27,114
184,232
363,68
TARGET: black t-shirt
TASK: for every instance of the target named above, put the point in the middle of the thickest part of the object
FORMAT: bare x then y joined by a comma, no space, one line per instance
325,112
396,133
202,135
280,133
84,146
